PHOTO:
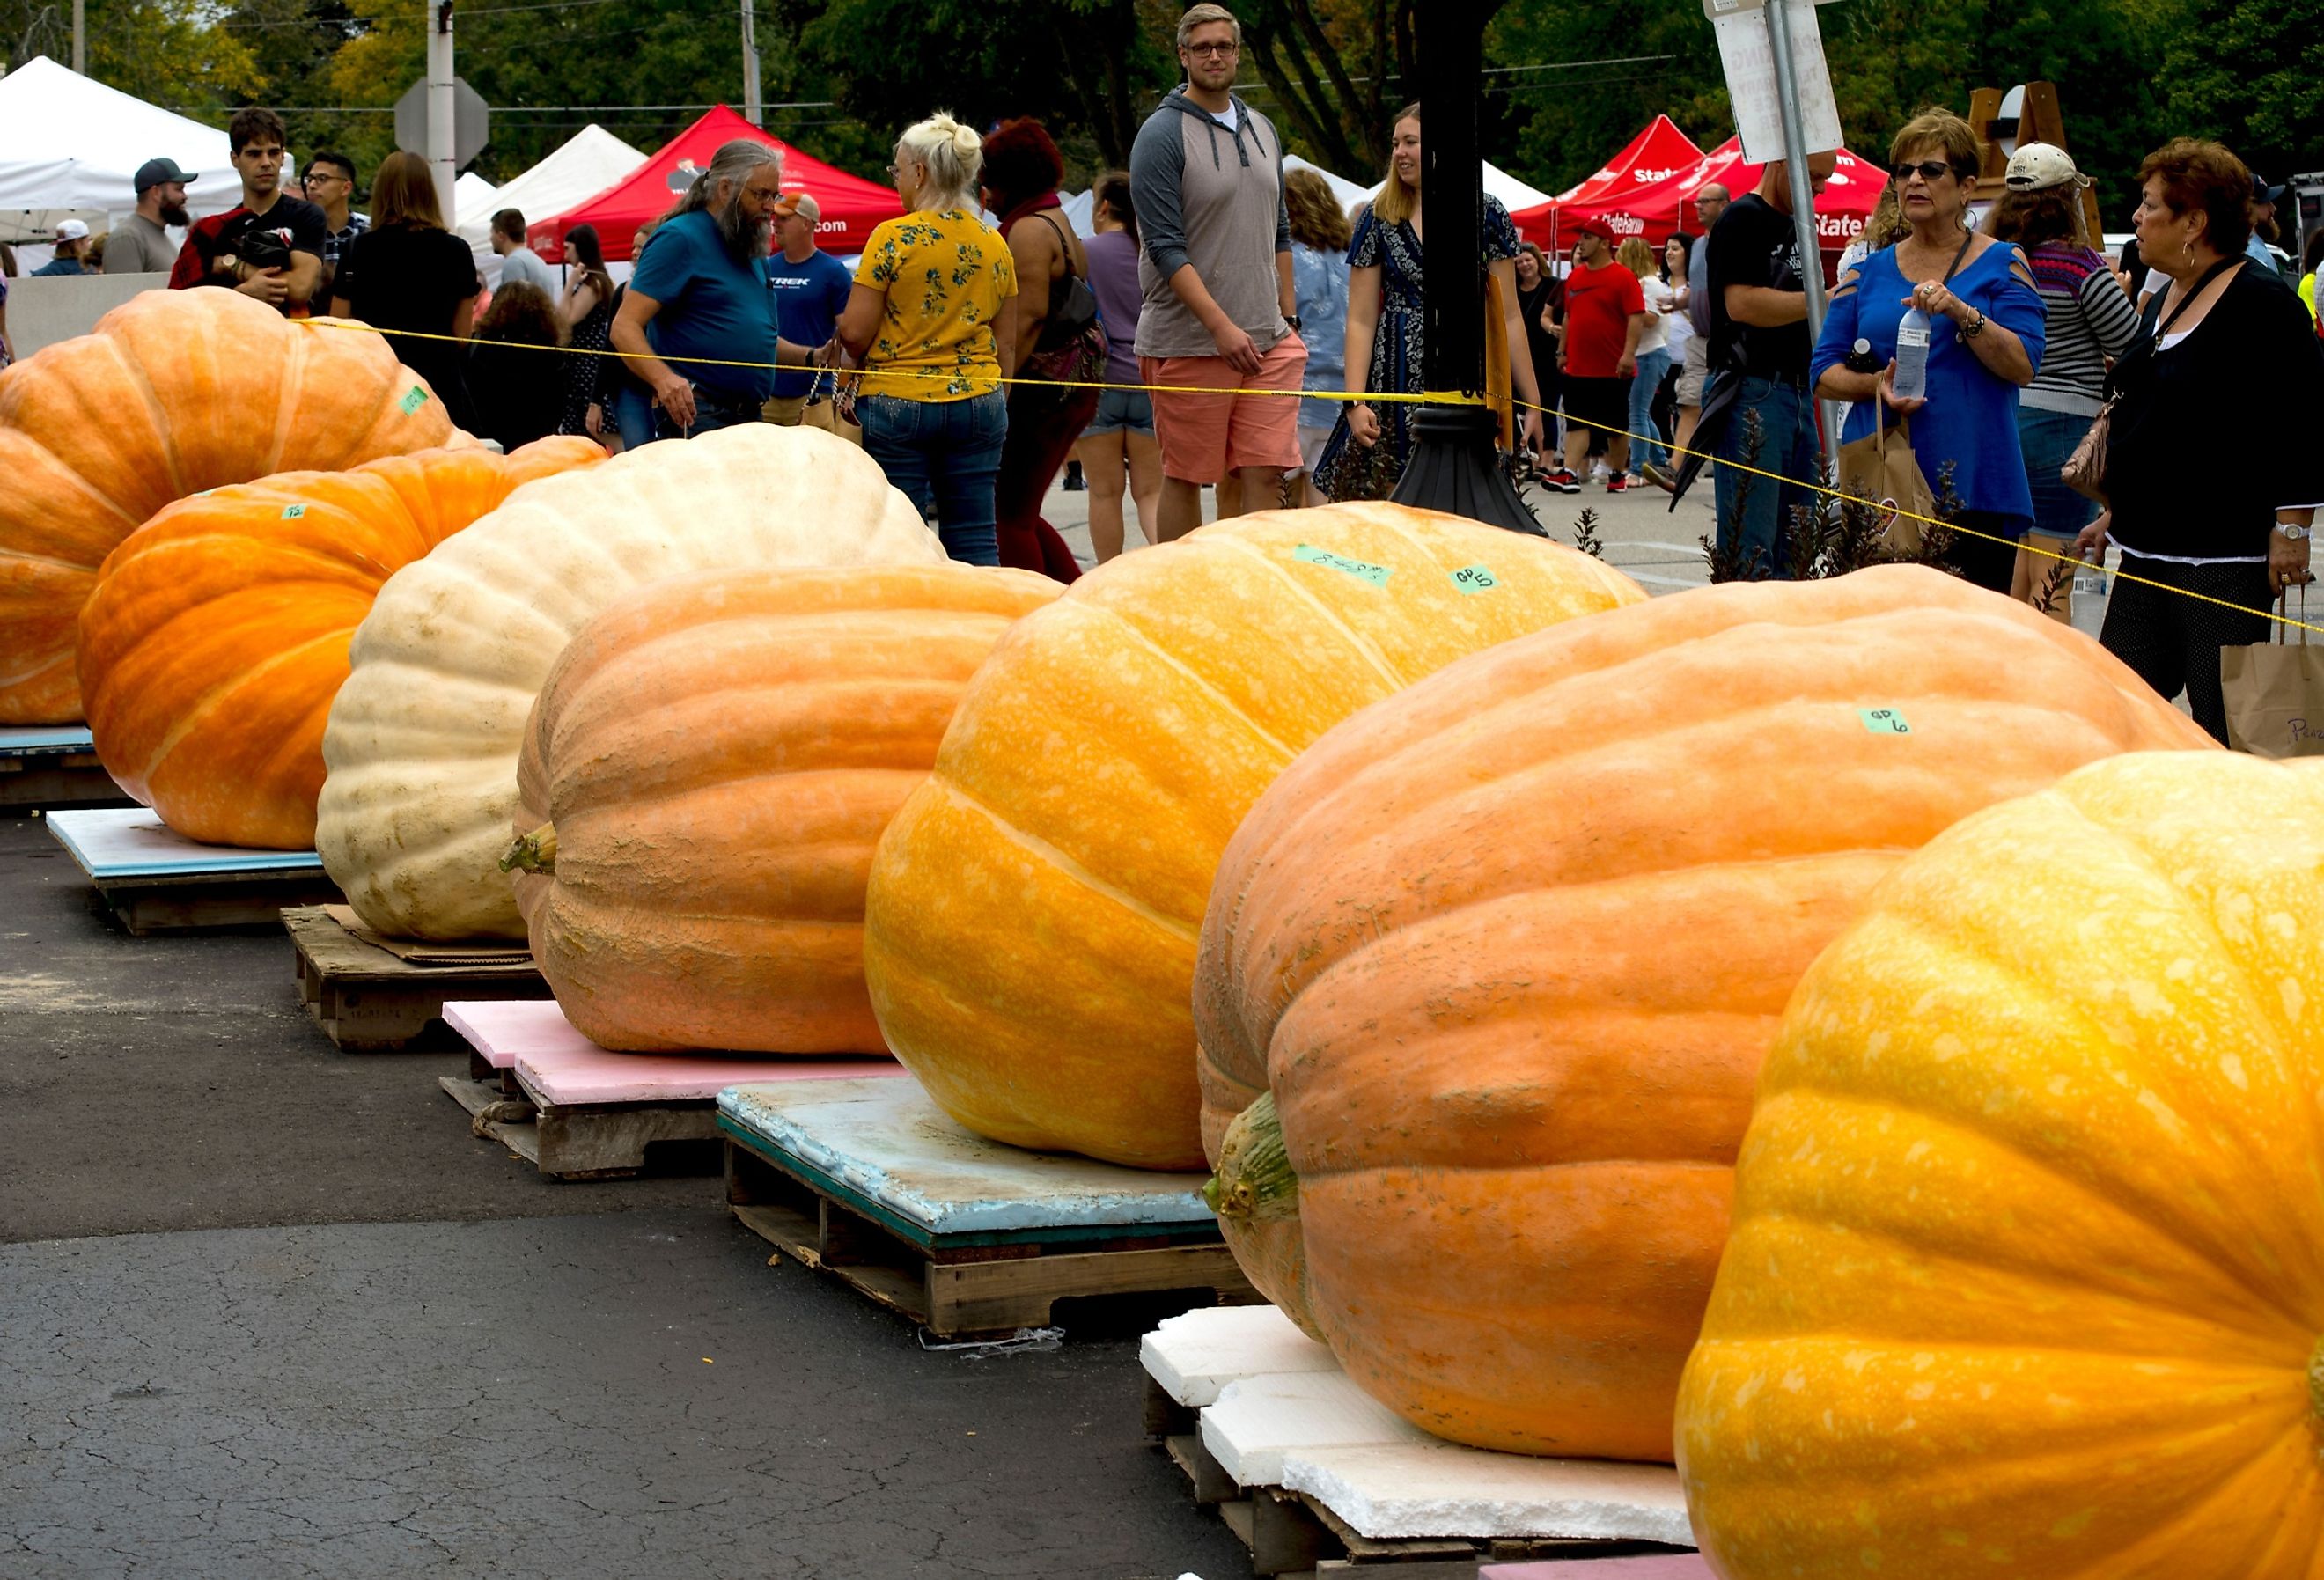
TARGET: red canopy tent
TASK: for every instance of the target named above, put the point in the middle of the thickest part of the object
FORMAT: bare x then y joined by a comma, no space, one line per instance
851,207
1654,211
1655,155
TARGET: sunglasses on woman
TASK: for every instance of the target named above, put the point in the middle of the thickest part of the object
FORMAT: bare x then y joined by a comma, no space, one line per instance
1932,170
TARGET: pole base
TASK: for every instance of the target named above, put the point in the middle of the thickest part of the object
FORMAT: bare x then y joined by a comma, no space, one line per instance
1453,469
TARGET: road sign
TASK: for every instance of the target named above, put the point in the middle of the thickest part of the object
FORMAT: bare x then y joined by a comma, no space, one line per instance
471,120
1749,61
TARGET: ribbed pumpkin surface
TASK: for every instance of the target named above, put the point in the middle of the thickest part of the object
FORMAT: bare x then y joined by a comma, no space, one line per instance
176,391
423,743
2027,1272
1030,933
719,753
1512,946
217,635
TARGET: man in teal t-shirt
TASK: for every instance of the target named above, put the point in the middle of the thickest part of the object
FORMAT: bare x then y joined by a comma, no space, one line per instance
698,318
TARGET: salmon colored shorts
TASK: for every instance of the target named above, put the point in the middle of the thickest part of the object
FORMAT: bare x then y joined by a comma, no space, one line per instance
1207,435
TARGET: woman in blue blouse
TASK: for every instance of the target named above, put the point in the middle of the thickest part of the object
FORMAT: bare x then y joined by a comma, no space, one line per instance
1986,336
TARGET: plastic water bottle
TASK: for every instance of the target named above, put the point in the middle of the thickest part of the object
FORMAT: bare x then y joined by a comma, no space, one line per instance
1912,355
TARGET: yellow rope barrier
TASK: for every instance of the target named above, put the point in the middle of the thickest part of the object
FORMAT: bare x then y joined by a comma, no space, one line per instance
1430,397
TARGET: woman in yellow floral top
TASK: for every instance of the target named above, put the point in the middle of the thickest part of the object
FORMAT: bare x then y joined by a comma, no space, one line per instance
925,323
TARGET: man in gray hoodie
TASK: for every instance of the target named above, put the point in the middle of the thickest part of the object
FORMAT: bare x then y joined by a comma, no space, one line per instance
1218,318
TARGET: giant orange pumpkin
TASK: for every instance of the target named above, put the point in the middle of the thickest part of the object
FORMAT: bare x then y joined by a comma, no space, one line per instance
1029,933
176,392
1510,947
705,775
217,635
2027,1271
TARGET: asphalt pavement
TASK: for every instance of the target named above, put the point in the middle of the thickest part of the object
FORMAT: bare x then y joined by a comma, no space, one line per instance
268,1309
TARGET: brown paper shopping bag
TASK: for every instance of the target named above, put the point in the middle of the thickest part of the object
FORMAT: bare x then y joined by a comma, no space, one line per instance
1880,467
2275,694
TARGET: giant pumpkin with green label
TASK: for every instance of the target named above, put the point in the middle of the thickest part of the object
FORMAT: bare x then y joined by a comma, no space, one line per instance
2027,1270
217,635
1507,951
1030,931
173,393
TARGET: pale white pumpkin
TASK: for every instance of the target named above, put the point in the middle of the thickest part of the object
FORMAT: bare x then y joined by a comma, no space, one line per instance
421,749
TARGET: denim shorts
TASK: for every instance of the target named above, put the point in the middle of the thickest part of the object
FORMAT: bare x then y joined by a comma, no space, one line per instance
1121,408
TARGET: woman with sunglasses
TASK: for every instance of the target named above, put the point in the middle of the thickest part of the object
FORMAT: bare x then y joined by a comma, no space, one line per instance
1986,336
2224,351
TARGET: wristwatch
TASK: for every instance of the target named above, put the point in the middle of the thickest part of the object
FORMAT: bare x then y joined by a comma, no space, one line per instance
2293,530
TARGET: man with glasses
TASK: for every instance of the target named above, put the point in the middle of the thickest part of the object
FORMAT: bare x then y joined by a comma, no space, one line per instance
1759,337
331,187
1219,315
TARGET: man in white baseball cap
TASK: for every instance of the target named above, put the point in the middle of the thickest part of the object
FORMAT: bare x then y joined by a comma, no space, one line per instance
72,246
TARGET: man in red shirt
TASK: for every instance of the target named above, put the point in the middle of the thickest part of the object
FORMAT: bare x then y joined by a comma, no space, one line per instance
1605,314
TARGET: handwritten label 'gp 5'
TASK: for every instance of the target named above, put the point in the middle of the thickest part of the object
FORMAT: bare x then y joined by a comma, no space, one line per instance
1475,578
1377,575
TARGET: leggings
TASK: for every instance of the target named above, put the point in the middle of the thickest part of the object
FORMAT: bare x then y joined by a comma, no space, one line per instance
2173,641
1043,424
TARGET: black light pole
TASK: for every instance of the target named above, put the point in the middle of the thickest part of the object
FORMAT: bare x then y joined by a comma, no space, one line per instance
1452,467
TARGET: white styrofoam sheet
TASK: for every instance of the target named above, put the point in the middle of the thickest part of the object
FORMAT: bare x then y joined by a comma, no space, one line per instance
133,842
26,740
1400,1491
886,1141
1194,1356
1258,1420
1276,1410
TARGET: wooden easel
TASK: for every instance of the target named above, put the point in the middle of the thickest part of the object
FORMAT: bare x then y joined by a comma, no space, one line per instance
2039,120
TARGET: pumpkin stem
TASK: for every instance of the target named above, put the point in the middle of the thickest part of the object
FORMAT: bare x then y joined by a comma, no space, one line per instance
534,853
1254,1182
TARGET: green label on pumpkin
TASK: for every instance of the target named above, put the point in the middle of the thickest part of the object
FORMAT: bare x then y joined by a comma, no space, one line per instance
291,513
1883,721
1475,578
1377,575
413,398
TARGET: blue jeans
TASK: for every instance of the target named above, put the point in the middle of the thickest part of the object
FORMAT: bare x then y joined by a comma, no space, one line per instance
947,451
712,412
2048,440
1644,450
1755,512
633,416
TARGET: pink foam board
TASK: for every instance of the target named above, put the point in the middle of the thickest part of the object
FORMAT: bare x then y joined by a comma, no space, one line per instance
558,1065
1662,1566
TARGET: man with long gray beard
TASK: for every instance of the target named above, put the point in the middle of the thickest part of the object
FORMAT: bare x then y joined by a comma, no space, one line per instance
698,298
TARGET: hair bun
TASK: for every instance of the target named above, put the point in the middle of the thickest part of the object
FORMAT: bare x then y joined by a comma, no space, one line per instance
965,141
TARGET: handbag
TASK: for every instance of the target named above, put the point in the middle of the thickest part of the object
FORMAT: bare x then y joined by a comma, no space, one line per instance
1887,472
2084,470
1072,306
2274,693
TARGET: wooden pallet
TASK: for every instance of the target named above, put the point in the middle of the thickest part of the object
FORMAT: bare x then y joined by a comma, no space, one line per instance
369,999
43,769
962,1283
577,1111
155,880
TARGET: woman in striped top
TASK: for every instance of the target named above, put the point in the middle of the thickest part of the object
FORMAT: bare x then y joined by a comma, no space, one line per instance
2091,321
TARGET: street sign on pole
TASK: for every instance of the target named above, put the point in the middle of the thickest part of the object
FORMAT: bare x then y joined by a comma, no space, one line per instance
471,121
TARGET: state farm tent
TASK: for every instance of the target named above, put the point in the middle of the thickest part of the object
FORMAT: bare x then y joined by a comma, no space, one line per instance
1655,155
582,166
1654,211
71,145
851,207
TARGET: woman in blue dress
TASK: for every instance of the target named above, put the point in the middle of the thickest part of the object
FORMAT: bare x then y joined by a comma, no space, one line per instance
1371,441
1986,337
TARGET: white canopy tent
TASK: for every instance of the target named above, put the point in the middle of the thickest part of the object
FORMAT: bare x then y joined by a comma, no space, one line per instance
70,147
1513,193
583,166
1352,197
472,194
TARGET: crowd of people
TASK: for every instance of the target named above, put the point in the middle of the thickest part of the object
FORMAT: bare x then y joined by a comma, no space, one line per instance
1229,326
